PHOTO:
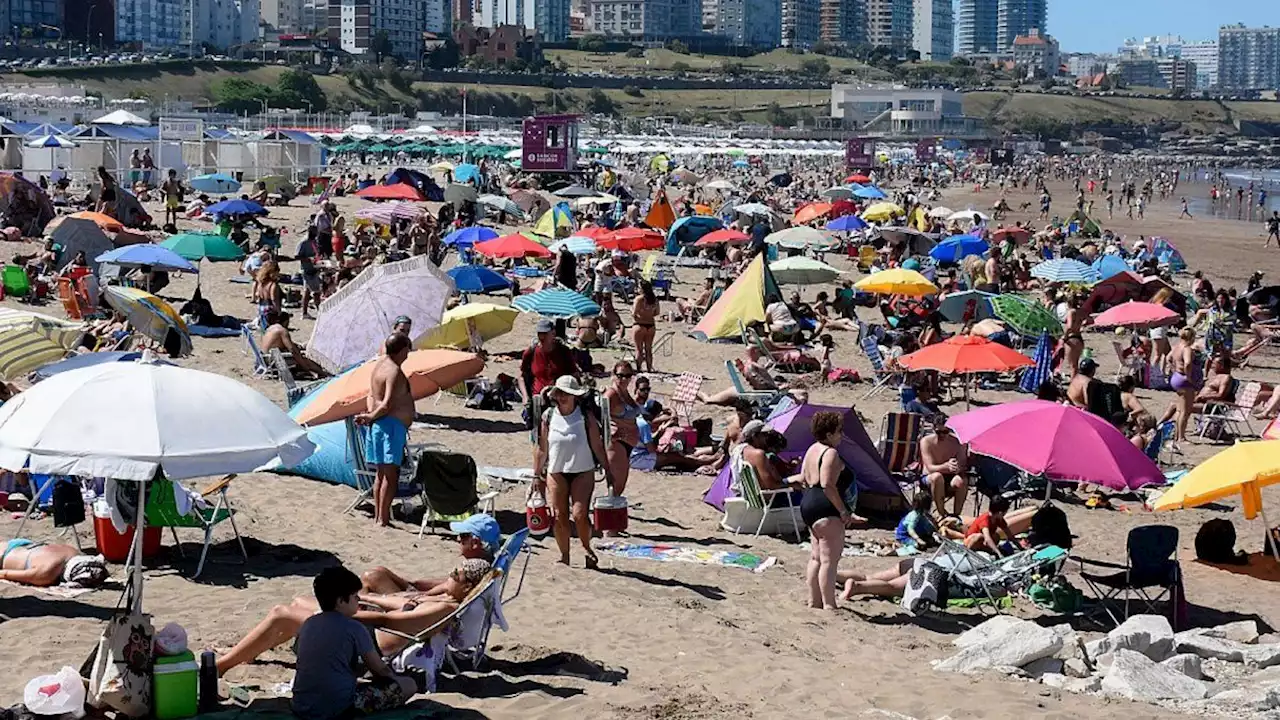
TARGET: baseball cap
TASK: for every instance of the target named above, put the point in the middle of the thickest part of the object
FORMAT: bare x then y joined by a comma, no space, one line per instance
481,526
1088,365
545,325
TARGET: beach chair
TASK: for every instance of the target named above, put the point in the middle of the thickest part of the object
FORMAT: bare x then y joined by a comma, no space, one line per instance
162,511
471,639
750,337
1233,416
1151,562
761,501
883,376
428,650
867,255
761,398
261,368
900,444
70,302
685,396
1159,441
293,391
664,346
1133,365
1272,340
973,575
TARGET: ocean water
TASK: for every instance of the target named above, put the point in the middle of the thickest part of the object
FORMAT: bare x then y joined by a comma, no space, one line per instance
1197,194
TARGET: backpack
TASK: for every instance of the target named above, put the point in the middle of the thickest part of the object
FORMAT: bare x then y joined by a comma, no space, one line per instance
1216,543
1057,595
1104,401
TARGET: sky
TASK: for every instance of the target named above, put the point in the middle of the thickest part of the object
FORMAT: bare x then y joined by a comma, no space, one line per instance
1103,25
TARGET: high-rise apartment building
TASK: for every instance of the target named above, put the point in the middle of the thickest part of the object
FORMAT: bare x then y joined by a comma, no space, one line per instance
1177,74
548,18
151,23
889,23
1248,58
1205,56
654,20
1018,17
842,21
933,30
801,22
353,25
976,25
283,16
750,23
222,24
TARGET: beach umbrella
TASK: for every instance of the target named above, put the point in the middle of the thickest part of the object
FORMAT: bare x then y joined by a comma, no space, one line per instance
1056,441
217,183
24,348
428,371
1137,315
940,212
477,279
465,173
199,246
595,232
1017,234
870,192
501,204
531,202
857,178
443,166
967,306
464,325
800,238
721,185
157,257
13,317
602,199
1065,270
958,247
633,240
1109,266
52,141
556,302
755,209
470,235
800,270
724,235
967,216
354,322
882,211
105,222
387,213
150,316
1025,316
83,360
897,281
577,244
1242,469
459,195
685,176
847,223
1032,379
812,211
395,191
514,245
837,193
236,206
964,354
741,164
575,191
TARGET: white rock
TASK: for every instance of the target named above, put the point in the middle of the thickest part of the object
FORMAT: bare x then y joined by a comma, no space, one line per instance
1186,663
1070,684
1103,661
1248,700
1134,676
1150,635
1261,656
1269,639
1019,645
995,626
1050,665
1076,668
1242,631
1207,647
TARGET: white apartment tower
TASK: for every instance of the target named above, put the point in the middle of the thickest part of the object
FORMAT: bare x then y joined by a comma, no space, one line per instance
933,30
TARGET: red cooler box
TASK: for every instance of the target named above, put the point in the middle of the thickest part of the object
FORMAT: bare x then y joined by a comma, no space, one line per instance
114,546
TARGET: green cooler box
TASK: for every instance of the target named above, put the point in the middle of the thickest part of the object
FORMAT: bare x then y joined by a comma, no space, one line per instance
175,680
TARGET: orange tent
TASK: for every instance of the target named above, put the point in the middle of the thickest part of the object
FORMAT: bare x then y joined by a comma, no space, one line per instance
104,222
811,212
661,215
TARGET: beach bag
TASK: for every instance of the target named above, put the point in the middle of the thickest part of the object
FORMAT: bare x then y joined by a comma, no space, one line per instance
678,440
1056,595
119,670
1216,543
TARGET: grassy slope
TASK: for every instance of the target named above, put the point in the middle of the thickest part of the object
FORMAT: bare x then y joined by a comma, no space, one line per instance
662,60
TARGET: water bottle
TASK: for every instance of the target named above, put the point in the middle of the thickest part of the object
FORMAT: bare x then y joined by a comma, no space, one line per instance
208,682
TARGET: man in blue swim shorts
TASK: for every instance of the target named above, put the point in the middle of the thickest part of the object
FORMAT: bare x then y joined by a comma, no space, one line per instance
390,413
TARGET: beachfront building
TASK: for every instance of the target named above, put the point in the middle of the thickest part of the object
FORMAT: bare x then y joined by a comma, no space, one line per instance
889,24
842,21
1248,58
1018,17
548,18
283,16
222,24
1177,74
976,24
1152,46
1085,65
750,23
901,111
150,23
1205,56
933,30
801,23
647,20
1036,55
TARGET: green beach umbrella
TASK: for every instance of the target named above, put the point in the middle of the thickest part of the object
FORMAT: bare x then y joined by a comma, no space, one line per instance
1027,317
198,246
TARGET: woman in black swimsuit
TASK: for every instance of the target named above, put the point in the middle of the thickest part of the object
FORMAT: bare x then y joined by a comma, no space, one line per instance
826,507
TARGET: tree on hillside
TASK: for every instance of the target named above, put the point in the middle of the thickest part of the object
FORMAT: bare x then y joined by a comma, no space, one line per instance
600,103
591,43
445,56
678,46
237,95
380,46
298,89
815,67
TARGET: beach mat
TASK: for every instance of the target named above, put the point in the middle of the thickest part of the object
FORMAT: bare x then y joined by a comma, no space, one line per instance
65,592
661,552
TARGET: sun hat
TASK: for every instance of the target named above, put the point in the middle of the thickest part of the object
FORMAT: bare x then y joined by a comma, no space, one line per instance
569,384
545,325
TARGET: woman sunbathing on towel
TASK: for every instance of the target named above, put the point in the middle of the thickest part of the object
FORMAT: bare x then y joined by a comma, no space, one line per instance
410,614
43,565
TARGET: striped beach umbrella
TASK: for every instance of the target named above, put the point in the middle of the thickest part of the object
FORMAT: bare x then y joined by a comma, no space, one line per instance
1066,270
577,244
556,302
24,348
1027,317
1033,377
388,212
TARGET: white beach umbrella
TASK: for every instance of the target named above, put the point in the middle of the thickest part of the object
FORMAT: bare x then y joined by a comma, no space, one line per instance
941,212
967,216
800,237
721,185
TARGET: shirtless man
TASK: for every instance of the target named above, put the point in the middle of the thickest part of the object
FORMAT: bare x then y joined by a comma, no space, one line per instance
389,417
277,337
172,190
478,538
1078,389
945,461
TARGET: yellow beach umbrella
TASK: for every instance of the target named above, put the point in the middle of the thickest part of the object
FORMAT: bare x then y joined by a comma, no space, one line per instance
882,211
443,166
149,315
24,348
1242,469
897,282
463,325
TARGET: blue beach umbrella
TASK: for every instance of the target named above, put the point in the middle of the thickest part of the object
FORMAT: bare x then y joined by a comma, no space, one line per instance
477,279
847,223
577,244
556,302
235,207
155,256
214,183
470,235
466,172
968,305
958,247
870,192
1065,270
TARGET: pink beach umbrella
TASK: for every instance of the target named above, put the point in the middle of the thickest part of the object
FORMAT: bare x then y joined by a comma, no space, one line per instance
1059,442
1137,315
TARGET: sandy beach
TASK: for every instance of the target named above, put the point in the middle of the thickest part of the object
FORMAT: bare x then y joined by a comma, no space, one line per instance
641,639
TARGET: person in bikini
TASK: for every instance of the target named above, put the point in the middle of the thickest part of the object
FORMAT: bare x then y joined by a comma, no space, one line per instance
39,564
478,537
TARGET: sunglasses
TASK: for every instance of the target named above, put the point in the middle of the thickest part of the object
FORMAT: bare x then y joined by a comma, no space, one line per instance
624,376
463,537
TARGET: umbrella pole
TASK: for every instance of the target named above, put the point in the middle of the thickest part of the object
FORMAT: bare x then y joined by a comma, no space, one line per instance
1267,534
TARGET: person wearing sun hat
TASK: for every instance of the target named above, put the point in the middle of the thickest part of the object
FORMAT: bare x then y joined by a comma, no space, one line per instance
479,538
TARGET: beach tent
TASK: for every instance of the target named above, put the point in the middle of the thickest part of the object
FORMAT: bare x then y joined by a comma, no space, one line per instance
660,214
556,222
742,302
75,235
1167,254
688,230
423,182
331,462
857,450
1088,228
24,204
1110,265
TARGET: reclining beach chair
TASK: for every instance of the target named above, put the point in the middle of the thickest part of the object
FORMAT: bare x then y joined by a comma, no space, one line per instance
469,641
429,649
1159,441
292,390
761,501
972,575
1218,417
761,398
750,337
900,444
883,375
261,368
1151,562
162,511
685,396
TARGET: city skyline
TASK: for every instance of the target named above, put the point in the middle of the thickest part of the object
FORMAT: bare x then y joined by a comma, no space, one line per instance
1101,26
